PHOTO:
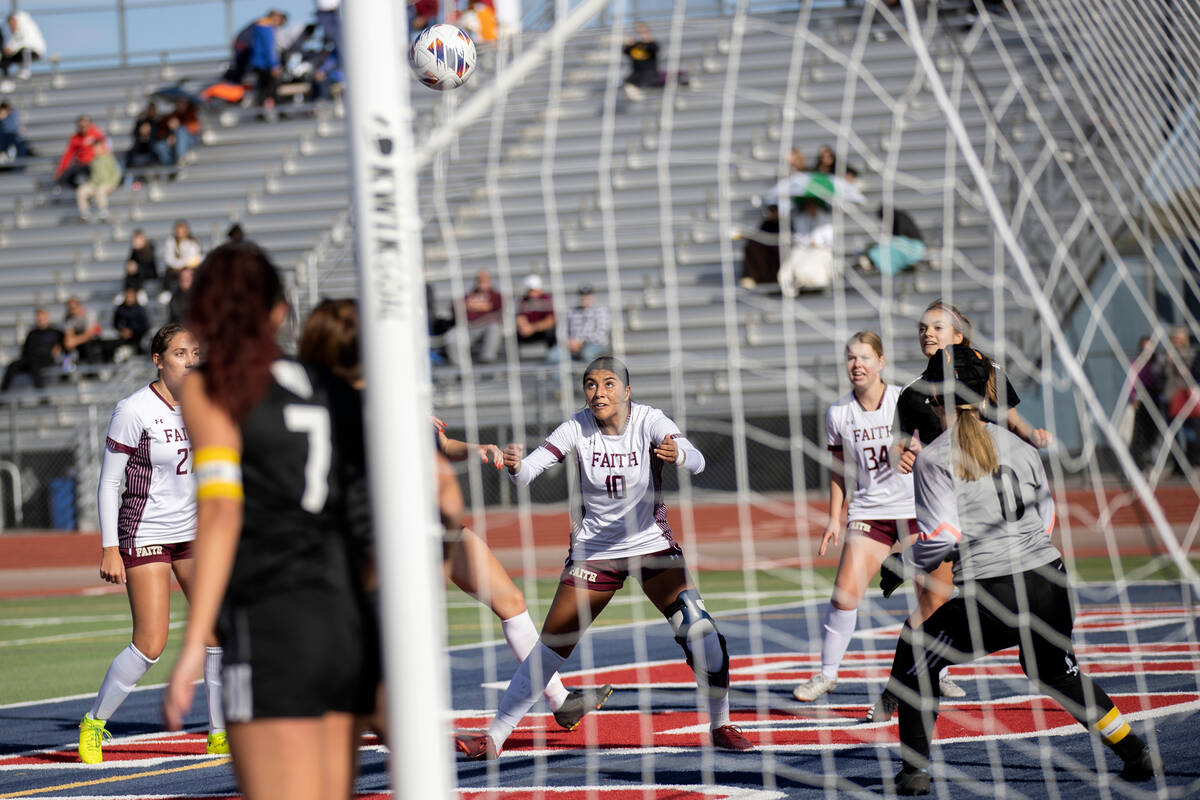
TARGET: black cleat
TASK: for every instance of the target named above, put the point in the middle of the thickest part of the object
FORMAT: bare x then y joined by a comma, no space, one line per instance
890,576
911,781
578,703
884,708
1141,768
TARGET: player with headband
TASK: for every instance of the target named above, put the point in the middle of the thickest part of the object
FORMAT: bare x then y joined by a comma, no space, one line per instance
880,514
983,501
620,448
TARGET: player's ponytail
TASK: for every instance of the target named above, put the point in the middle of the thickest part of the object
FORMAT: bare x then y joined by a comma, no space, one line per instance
229,312
974,453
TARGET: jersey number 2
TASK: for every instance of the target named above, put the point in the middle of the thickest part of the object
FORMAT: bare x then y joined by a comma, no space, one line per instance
313,421
615,486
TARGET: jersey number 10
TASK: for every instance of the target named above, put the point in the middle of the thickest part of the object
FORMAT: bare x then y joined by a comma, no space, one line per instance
615,486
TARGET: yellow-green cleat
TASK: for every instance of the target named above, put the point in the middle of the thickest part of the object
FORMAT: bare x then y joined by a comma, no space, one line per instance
92,735
218,744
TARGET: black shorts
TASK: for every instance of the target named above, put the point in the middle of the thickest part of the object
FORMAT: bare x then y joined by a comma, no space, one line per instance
299,653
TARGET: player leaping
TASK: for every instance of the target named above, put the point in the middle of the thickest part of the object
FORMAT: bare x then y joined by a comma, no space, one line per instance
620,447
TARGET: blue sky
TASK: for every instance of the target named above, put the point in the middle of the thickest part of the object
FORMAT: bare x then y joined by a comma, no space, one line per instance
200,23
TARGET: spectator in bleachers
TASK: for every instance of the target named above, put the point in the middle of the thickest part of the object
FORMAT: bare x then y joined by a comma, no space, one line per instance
906,248
809,266
760,261
24,45
180,297
12,144
535,315
141,153
142,265
181,251
42,349
81,334
87,141
329,17
177,132
479,21
643,57
131,322
1146,375
104,174
263,58
421,14
482,331
588,327
826,161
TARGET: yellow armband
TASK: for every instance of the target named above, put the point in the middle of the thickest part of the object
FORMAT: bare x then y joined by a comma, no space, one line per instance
218,473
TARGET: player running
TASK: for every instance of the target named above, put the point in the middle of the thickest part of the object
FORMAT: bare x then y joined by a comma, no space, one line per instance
147,532
880,515
620,448
281,497
983,501
330,338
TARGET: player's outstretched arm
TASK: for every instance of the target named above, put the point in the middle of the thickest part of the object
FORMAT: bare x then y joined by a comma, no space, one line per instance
1038,437
456,450
676,449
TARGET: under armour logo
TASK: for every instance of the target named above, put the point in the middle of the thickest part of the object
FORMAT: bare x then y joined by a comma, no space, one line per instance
158,422
1072,667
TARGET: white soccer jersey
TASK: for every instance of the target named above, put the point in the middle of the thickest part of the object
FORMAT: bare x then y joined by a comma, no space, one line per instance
881,493
159,502
621,480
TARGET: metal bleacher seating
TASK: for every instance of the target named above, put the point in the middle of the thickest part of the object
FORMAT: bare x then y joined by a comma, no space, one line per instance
287,184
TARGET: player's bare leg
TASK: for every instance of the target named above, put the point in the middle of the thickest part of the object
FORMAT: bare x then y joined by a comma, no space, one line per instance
473,567
217,744
294,759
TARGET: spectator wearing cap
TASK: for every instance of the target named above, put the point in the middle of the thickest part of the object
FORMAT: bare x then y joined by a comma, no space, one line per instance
588,327
535,315
482,331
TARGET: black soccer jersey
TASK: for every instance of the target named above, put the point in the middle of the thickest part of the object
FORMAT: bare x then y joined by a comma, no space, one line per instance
915,416
301,471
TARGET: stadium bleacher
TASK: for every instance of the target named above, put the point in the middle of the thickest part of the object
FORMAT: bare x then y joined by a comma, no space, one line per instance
287,183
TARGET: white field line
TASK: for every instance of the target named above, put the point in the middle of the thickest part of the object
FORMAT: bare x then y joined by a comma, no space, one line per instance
70,637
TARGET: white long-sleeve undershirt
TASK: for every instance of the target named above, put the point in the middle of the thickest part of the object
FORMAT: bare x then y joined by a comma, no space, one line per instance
112,470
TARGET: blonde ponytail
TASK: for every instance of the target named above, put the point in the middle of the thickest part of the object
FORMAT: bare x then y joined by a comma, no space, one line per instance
974,453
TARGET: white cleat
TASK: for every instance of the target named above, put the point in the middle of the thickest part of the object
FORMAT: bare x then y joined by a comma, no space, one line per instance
950,689
813,688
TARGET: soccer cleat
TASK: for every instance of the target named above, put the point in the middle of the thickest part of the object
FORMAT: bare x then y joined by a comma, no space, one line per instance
218,744
476,746
1143,767
884,708
950,689
814,687
92,736
890,576
911,781
730,737
578,703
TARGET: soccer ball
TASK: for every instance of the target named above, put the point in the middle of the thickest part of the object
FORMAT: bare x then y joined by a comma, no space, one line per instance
442,57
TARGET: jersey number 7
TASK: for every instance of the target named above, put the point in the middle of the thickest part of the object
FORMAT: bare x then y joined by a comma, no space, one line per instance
313,421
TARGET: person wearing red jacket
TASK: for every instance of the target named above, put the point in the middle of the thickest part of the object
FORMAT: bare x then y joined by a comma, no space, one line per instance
87,142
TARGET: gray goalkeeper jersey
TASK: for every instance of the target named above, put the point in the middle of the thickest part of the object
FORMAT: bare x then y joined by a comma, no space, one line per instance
994,526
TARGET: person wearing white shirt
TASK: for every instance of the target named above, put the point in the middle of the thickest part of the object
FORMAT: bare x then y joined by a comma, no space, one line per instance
880,513
809,266
620,448
25,44
146,533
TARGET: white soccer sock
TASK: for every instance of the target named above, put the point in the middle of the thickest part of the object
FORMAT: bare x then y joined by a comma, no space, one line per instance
527,683
839,628
521,635
123,674
718,706
212,687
